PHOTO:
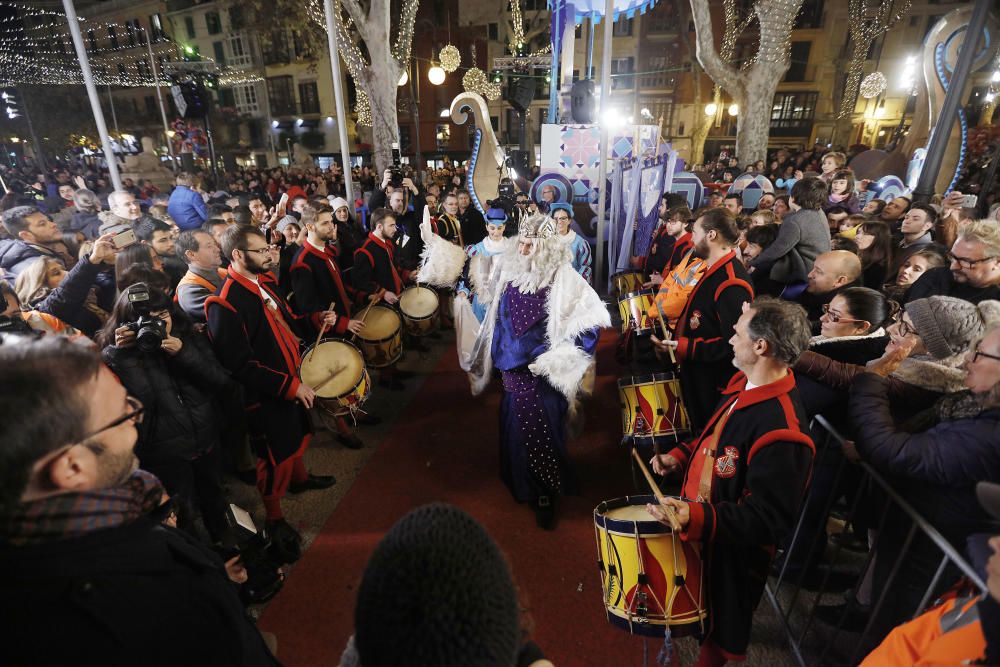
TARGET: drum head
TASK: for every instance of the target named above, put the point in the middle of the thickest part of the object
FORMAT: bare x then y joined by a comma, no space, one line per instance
333,356
380,323
418,302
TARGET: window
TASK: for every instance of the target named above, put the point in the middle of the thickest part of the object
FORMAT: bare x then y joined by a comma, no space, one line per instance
282,95
213,23
799,57
656,76
495,123
91,41
810,16
156,28
113,37
130,32
152,110
240,53
302,49
246,99
623,27
189,26
660,19
274,48
622,73
236,21
220,52
493,31
443,137
57,41
142,67
309,97
226,98
792,114
121,70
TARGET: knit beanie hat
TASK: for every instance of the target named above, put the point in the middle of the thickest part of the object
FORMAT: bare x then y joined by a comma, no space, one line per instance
338,202
437,591
947,325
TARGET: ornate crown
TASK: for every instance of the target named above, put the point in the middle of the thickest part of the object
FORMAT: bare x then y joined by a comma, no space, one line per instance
537,227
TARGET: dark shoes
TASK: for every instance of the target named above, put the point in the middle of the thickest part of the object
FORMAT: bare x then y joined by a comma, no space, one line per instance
350,441
285,542
545,513
312,482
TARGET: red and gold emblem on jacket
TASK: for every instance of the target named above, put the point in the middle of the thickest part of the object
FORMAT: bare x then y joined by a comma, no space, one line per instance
695,321
725,465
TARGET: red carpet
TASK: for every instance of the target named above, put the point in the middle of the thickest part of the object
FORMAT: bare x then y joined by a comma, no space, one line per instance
444,448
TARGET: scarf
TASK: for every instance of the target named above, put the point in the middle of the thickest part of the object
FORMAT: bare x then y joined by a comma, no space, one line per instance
70,515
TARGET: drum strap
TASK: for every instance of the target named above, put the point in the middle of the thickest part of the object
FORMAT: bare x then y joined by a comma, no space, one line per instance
709,447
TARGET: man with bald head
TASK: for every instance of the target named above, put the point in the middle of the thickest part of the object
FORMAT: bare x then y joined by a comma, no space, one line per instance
832,272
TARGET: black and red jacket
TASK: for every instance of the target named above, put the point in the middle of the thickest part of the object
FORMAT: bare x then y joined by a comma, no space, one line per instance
375,269
263,356
761,468
317,282
703,331
661,249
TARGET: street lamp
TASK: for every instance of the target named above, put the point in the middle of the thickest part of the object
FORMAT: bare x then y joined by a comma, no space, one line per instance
403,79
436,74
711,108
734,109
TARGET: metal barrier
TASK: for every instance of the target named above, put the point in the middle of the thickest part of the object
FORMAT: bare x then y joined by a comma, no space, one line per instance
789,590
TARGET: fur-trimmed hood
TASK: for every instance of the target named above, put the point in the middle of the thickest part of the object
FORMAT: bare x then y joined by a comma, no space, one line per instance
929,373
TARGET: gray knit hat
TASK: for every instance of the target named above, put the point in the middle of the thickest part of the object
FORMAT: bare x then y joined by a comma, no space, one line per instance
437,591
947,325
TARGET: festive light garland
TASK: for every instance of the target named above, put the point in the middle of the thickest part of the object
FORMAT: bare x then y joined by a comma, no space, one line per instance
450,58
869,20
873,85
475,81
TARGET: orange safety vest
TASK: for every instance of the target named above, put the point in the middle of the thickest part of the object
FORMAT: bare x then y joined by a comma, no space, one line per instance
675,288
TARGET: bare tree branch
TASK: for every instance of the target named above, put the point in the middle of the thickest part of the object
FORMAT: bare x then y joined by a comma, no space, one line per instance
404,36
708,56
359,16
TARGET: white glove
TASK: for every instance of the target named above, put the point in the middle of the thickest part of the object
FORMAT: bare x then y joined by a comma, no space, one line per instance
426,231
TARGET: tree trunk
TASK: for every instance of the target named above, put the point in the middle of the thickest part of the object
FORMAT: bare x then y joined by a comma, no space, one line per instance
703,124
753,124
385,121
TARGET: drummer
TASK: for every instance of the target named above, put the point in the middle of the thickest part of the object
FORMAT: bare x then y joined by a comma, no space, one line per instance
745,476
377,277
317,282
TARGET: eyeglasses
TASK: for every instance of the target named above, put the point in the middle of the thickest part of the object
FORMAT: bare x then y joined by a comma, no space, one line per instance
134,414
965,262
903,328
836,317
977,353
260,251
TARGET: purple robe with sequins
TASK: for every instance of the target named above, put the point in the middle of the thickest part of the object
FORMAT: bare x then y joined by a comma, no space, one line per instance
533,457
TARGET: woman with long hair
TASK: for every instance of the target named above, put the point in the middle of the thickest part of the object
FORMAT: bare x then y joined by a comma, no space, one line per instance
912,268
874,239
138,253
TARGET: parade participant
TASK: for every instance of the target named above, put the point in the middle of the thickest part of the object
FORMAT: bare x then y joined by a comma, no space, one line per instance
671,242
446,224
711,311
579,249
475,277
745,475
540,332
376,276
256,336
317,282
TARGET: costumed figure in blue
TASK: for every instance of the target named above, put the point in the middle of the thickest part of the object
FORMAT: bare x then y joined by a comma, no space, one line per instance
578,247
540,330
481,260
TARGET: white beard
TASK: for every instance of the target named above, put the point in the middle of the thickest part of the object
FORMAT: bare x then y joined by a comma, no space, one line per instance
533,273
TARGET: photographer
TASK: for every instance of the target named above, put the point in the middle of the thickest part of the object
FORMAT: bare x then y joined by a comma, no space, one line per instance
407,238
83,545
151,346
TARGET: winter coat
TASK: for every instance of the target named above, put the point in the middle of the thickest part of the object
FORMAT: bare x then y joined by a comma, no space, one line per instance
15,255
819,398
88,224
936,469
802,236
939,282
181,419
68,301
187,208
140,593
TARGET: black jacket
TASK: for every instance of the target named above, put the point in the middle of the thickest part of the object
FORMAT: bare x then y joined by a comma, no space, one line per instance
703,332
181,419
317,282
473,225
831,402
376,269
15,255
68,300
409,245
939,282
139,594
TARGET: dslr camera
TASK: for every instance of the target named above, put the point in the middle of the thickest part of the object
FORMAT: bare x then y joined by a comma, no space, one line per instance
396,170
150,331
506,197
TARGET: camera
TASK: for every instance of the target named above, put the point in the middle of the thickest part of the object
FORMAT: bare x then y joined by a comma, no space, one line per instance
506,197
396,170
150,331
242,538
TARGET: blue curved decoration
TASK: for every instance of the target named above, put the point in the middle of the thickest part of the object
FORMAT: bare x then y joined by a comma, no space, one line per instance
594,9
471,184
941,68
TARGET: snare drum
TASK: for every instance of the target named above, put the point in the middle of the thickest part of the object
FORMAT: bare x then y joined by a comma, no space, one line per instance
350,386
627,281
652,408
634,309
651,578
381,339
419,307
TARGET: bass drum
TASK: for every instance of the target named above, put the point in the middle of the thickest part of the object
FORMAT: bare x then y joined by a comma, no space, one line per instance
381,339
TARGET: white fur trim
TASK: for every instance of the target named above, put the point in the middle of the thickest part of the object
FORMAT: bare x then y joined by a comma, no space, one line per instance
441,262
564,366
931,374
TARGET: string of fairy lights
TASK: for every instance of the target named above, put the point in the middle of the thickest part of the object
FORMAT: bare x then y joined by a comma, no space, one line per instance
868,20
36,48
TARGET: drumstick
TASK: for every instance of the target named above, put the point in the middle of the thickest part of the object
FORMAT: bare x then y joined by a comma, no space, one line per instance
322,330
334,373
666,333
667,509
364,314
